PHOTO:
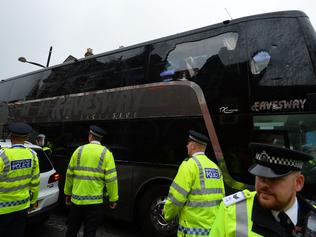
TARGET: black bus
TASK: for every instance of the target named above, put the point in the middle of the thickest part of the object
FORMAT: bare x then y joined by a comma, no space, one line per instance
247,80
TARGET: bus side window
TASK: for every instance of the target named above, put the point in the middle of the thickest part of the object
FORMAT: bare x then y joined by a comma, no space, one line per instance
274,137
259,62
189,62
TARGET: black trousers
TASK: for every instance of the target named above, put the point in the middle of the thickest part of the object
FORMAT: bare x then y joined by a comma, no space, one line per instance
13,224
89,215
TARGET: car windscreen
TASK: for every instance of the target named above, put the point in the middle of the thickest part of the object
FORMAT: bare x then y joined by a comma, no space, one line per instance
44,162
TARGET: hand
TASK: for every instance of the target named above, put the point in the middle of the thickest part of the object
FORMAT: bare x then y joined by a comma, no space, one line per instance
68,200
112,205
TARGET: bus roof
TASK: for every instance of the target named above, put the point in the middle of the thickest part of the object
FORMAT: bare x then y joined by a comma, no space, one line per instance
279,14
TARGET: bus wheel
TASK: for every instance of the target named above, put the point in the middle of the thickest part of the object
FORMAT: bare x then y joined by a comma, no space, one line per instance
150,213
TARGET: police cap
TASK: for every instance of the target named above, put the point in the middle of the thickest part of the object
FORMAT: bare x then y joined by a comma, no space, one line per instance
97,131
20,129
272,161
198,137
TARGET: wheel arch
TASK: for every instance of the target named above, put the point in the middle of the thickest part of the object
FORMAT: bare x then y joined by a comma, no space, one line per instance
149,184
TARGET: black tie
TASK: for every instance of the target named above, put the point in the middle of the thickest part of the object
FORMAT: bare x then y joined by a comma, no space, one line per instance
286,222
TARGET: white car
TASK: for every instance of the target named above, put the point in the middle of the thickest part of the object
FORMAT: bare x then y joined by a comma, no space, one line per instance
49,191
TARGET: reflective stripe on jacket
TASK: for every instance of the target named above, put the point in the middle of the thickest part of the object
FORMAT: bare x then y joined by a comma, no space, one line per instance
195,195
19,179
91,169
234,220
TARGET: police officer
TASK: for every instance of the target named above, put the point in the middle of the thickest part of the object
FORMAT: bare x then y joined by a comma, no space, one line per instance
91,169
274,209
19,182
196,191
40,140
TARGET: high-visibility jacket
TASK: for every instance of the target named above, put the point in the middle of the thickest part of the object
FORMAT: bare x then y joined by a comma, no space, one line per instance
241,215
90,170
47,149
195,195
234,216
19,179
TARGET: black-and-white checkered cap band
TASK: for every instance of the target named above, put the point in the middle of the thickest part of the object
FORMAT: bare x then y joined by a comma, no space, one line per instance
265,157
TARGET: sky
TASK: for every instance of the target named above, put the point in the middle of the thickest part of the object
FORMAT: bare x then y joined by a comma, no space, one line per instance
29,28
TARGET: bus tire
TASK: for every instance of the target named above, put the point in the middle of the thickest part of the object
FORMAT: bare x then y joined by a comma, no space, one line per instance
149,214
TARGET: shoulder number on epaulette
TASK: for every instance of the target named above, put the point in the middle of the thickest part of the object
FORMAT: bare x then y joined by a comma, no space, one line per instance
234,198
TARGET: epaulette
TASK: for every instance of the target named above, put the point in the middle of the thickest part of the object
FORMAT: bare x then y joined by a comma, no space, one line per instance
234,198
186,159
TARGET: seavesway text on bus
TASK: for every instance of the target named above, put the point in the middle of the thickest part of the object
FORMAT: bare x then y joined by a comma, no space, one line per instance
296,104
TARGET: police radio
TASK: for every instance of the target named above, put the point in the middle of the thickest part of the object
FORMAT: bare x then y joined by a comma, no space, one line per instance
310,226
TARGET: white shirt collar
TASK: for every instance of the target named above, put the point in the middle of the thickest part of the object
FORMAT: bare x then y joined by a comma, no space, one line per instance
95,142
292,213
198,153
17,145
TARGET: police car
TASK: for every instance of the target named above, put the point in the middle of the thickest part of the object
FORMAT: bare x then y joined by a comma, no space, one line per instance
49,191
